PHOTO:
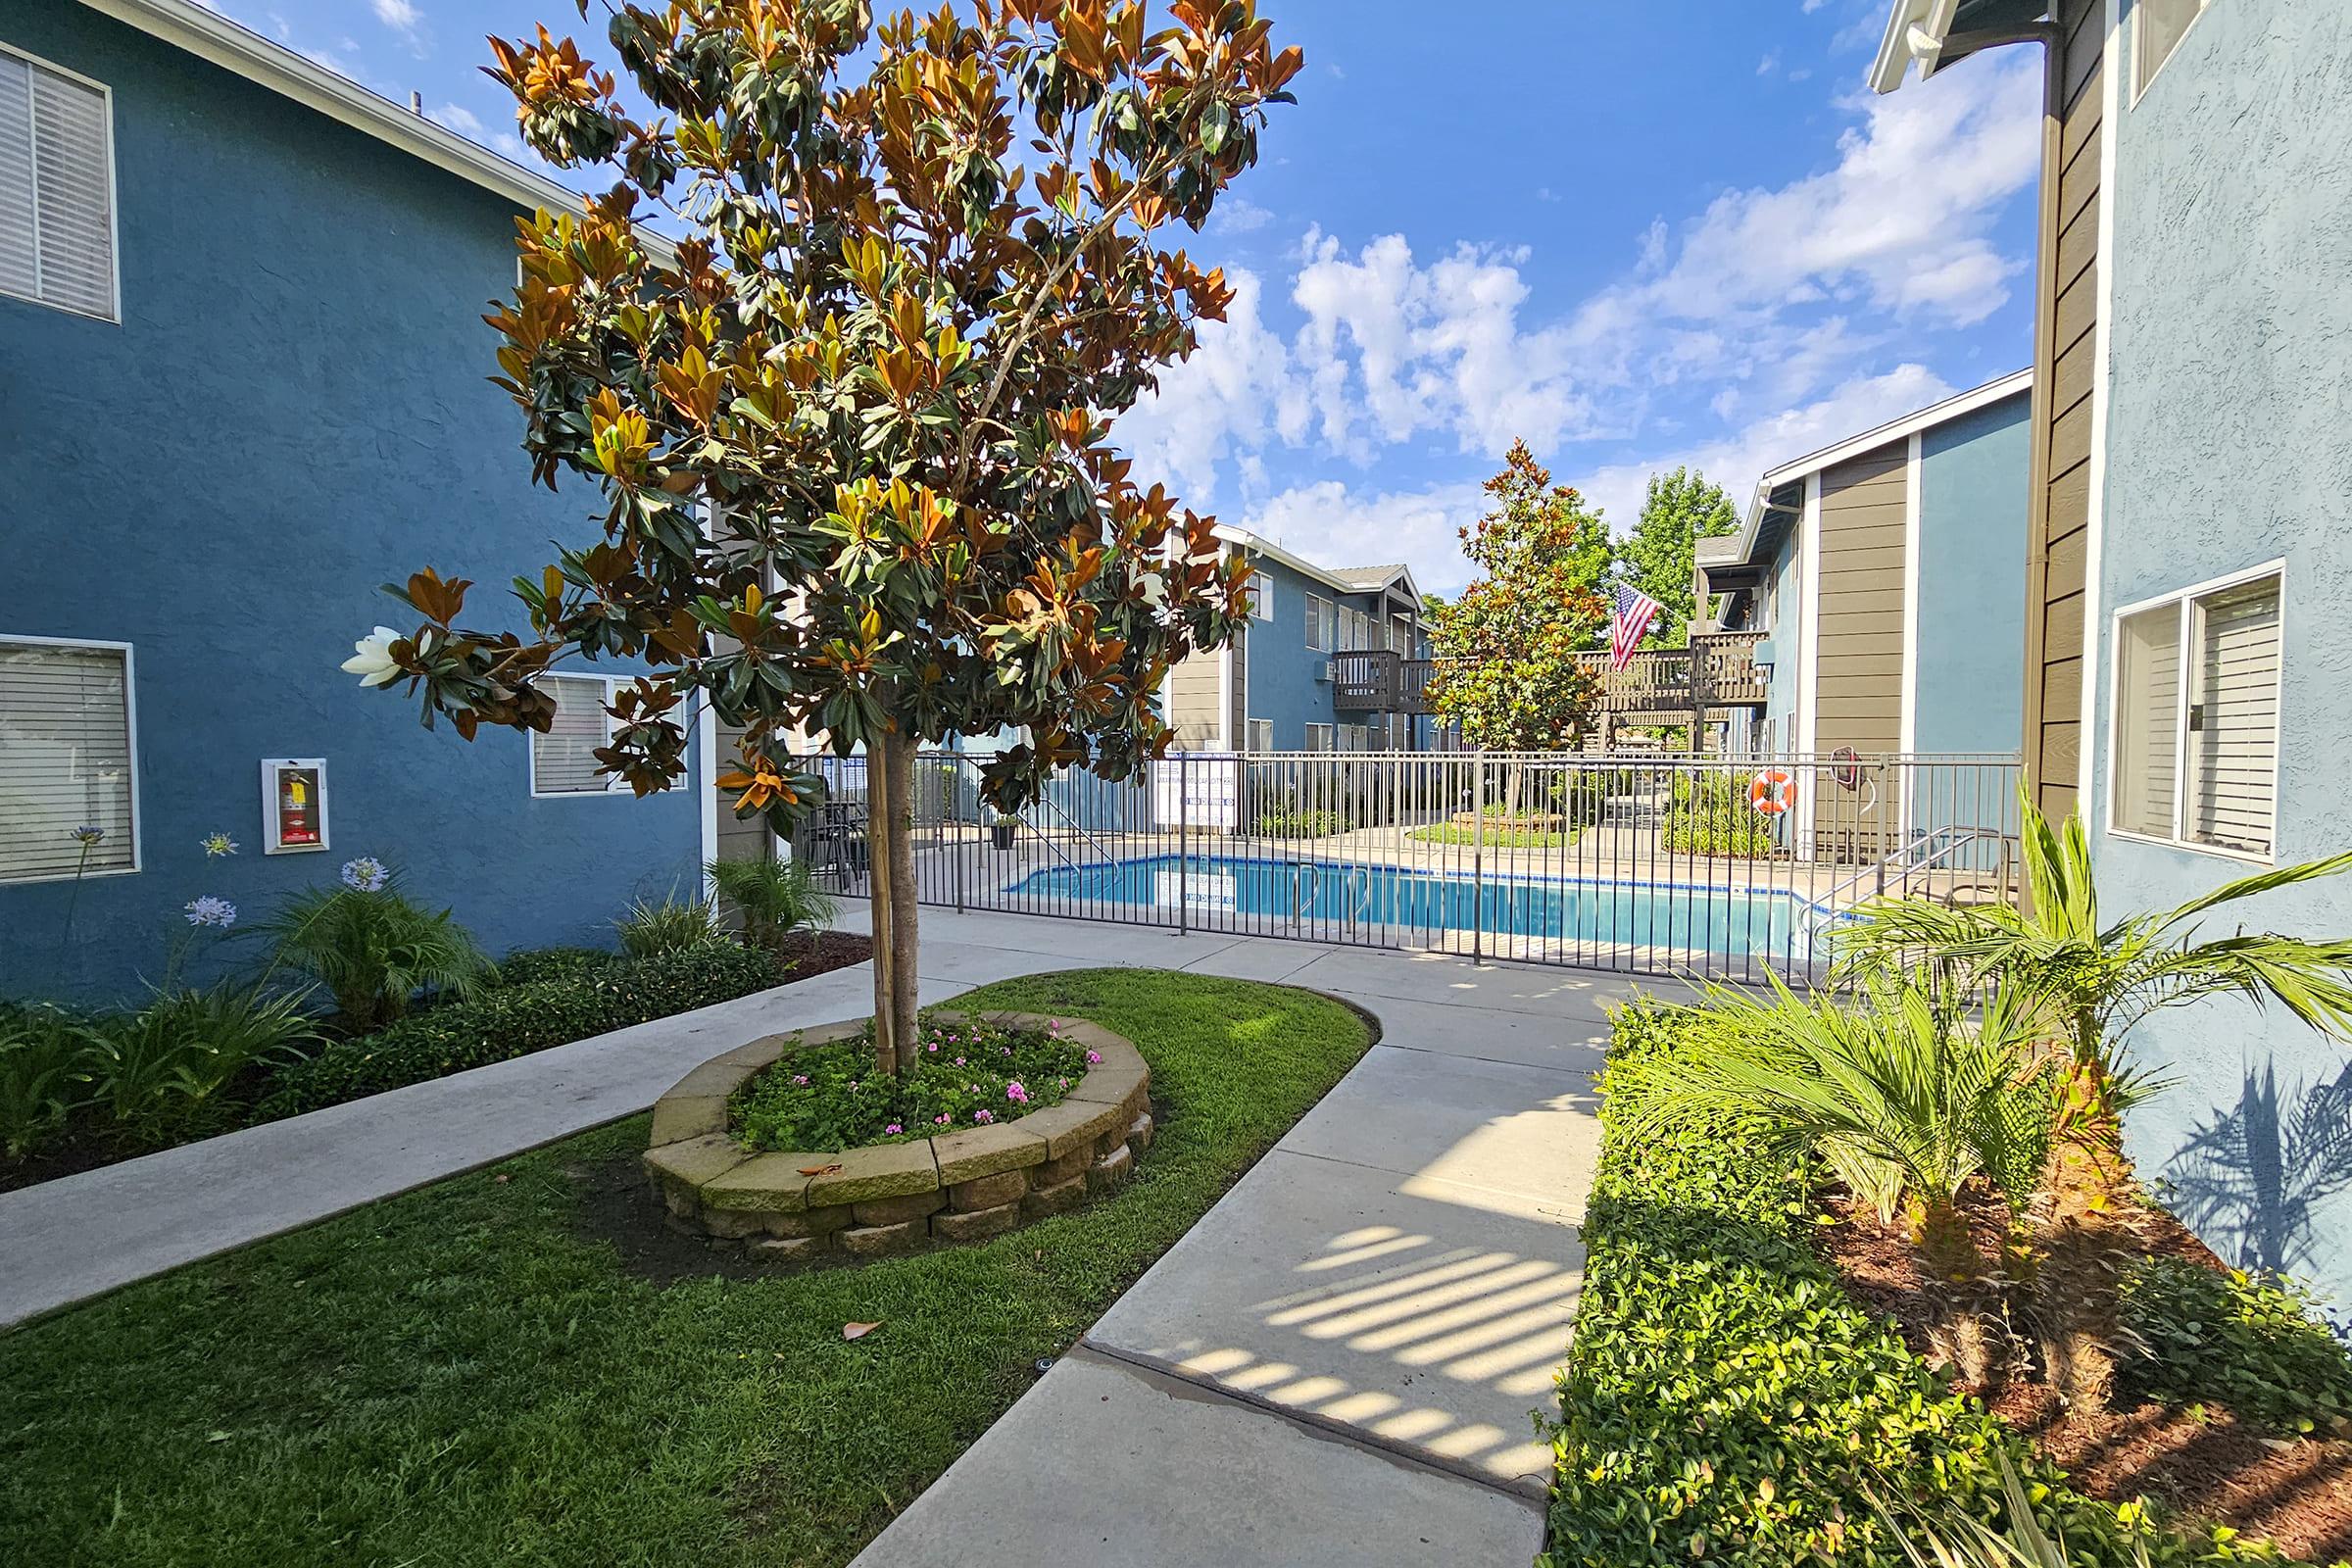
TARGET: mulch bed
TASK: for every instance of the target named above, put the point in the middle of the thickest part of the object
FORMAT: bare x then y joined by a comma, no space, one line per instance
2202,1462
809,954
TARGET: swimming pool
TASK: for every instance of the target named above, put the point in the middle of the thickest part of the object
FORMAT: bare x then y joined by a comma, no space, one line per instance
1324,898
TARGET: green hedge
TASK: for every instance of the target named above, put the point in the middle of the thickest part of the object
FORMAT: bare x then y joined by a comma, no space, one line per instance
575,999
1724,1401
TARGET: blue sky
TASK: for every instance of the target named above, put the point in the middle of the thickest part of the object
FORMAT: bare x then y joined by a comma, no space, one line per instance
1637,234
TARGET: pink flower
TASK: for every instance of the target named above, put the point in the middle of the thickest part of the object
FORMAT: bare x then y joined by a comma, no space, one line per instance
935,1047
800,1077
1094,1059
1016,1093
959,1061
942,1119
1064,1082
894,1127
1008,1051
983,1115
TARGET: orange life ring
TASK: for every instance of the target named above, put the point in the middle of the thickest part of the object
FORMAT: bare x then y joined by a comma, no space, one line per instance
1771,793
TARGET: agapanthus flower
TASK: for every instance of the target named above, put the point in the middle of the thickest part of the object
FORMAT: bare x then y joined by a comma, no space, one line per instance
367,874
85,835
208,911
215,845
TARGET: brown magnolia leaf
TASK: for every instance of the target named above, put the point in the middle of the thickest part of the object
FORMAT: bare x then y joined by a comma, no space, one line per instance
818,1170
857,1331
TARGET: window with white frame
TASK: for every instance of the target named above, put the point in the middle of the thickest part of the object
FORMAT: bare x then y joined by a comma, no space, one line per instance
68,779
564,759
1321,624
57,196
1261,596
2157,28
2195,759
1261,734
1319,738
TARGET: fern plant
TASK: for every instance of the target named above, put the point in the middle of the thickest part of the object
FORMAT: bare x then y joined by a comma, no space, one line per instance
373,951
773,897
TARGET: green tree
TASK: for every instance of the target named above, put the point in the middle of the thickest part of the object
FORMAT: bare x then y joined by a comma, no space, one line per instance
1507,671
1680,508
851,438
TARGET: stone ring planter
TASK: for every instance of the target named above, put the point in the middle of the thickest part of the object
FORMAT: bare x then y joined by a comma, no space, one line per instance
895,1198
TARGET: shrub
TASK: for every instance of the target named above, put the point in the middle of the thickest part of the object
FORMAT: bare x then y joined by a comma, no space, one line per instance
534,964
514,1020
45,1059
775,898
1736,832
2237,1339
666,925
1299,822
372,948
161,1072
1724,1399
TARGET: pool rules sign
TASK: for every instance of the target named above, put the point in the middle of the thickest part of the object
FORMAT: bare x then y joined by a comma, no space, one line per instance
1198,789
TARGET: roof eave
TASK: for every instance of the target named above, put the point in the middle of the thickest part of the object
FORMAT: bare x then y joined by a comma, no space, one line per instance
245,53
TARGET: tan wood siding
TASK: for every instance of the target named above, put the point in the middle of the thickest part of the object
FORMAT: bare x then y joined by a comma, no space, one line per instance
2065,355
1192,701
1858,674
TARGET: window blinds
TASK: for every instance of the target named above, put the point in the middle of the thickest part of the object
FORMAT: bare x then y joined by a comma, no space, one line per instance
56,221
564,759
65,760
2234,720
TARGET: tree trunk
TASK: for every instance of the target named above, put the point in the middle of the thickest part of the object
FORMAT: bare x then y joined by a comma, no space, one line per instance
2082,1242
896,930
1967,1326
889,878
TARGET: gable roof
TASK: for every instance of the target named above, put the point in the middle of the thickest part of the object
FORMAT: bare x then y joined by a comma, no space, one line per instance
1343,579
243,52
1938,33
1759,531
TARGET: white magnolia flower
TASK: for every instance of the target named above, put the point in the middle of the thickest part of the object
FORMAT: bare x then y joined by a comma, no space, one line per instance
372,662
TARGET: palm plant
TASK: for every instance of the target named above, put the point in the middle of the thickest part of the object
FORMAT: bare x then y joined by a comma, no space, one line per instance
773,897
1905,1095
373,950
2088,984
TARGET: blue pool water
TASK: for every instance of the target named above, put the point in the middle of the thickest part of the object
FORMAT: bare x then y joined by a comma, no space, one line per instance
1262,894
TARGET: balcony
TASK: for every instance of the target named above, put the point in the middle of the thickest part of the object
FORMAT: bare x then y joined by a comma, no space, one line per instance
1379,681
1665,685
1718,670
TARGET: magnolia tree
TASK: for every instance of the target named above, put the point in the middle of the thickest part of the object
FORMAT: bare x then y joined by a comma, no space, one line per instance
1507,669
850,439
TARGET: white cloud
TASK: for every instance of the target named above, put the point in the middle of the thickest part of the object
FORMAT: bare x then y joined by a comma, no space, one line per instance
1233,394
1769,64
1238,215
465,122
404,19
1327,521
1737,460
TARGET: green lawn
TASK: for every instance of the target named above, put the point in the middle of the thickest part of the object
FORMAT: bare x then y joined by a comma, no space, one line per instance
470,1375
1499,835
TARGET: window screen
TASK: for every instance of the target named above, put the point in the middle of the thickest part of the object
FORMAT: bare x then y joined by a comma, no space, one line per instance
56,221
564,759
65,760
2147,684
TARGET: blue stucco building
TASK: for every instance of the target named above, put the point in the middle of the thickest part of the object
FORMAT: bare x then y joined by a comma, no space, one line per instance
2187,648
1331,660
242,383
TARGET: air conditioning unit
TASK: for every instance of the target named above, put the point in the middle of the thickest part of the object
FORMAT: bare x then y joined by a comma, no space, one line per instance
1331,670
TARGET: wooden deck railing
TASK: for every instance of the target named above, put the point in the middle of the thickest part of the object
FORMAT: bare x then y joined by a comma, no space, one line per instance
1716,670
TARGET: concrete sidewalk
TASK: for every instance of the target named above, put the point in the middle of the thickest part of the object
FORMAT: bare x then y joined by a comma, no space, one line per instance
1339,1364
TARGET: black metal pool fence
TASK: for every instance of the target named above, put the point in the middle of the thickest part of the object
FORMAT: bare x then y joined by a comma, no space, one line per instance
1716,866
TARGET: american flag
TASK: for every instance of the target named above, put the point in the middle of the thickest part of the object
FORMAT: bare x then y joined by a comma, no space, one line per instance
1635,610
